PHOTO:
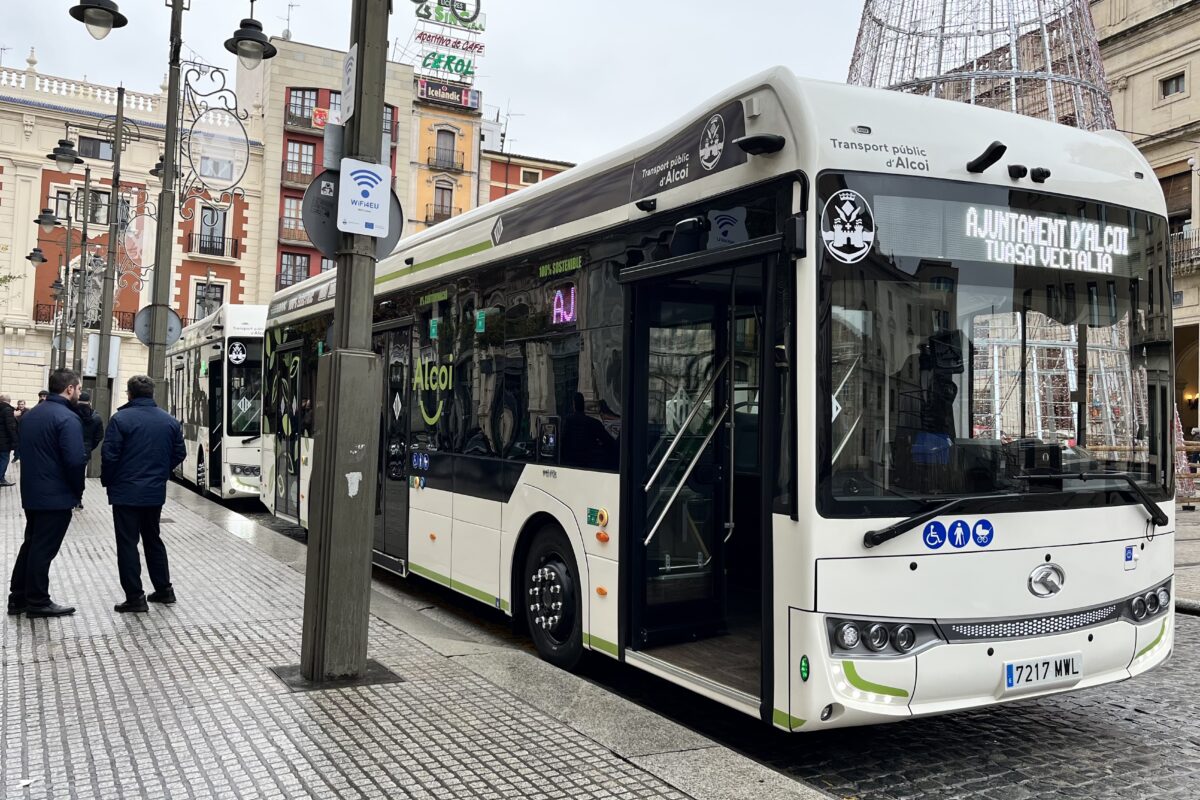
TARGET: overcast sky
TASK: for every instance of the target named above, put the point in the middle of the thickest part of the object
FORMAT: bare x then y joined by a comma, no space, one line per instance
582,77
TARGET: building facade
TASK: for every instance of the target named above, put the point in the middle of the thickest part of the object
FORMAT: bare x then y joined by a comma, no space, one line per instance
445,158
292,97
501,174
215,251
1149,49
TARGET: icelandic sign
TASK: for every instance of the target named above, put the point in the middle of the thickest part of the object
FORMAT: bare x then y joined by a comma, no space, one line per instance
447,93
363,198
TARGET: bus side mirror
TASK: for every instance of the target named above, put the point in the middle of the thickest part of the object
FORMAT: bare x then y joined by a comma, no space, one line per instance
795,234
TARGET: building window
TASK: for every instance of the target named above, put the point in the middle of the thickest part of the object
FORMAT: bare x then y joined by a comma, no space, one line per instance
300,158
530,175
293,222
67,203
62,203
301,103
389,116
443,199
217,168
327,264
335,104
212,232
91,147
1172,85
209,297
292,269
1177,298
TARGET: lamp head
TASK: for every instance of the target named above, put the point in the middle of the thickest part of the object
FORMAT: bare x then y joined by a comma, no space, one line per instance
64,156
250,44
46,220
99,17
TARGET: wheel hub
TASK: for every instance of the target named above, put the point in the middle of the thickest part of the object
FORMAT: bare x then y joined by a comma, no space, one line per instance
547,586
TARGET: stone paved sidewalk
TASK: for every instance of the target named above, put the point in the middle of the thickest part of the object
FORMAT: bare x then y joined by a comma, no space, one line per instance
1187,561
180,702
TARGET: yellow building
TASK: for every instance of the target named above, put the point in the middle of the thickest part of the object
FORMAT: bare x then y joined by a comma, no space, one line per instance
446,142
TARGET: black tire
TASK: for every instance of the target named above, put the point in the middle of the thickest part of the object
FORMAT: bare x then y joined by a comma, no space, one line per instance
549,573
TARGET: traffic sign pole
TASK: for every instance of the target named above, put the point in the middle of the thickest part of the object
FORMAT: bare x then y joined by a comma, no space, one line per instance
337,588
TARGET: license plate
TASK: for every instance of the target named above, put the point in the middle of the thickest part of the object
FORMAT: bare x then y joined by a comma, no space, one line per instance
1041,673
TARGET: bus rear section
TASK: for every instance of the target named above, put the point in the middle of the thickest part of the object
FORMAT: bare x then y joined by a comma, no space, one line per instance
994,517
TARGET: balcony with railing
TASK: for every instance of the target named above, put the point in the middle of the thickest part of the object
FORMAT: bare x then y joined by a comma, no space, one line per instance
440,158
47,314
299,173
291,229
436,212
204,244
299,117
1185,252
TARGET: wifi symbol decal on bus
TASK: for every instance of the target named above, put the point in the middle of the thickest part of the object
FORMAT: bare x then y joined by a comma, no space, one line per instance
366,180
725,225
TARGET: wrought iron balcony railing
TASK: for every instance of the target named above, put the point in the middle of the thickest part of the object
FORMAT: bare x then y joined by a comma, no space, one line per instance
1185,252
298,117
435,213
445,159
207,245
292,230
47,314
300,172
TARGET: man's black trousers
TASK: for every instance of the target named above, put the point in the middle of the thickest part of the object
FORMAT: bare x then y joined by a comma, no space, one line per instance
133,523
44,532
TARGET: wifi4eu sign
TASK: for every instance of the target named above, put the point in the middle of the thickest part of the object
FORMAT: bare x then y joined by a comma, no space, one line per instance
364,196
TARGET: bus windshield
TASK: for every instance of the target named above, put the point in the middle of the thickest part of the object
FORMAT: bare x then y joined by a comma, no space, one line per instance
972,336
245,390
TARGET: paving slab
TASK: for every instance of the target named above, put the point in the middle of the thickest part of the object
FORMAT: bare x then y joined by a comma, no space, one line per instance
181,702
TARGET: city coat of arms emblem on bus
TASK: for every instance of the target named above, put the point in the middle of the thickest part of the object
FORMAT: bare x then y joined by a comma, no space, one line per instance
848,227
712,142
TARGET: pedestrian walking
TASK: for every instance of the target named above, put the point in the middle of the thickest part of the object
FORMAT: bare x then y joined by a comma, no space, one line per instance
43,395
144,443
8,436
93,428
51,485
18,412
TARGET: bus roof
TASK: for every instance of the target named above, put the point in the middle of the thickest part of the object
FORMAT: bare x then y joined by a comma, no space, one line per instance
227,321
824,126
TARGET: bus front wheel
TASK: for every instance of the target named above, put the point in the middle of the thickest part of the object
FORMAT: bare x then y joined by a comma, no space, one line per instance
552,599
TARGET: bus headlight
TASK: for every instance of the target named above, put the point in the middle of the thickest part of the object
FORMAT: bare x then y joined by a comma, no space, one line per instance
1151,602
1137,607
880,637
1164,597
905,638
249,470
848,636
877,637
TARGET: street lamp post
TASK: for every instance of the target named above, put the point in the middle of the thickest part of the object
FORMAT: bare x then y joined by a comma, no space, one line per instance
103,394
84,270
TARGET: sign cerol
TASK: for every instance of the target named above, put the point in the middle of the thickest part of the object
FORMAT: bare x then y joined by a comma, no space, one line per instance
364,198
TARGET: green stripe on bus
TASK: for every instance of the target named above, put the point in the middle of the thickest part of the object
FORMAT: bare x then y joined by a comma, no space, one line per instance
1161,632
596,643
786,720
434,262
458,586
858,682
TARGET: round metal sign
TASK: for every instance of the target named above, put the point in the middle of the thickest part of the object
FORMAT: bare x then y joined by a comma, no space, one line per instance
319,214
141,326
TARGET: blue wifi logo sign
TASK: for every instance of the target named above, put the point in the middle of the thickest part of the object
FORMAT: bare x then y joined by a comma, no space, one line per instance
364,197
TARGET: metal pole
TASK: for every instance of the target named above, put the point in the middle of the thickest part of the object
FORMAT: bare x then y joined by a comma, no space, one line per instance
81,289
102,396
164,240
62,341
64,275
337,589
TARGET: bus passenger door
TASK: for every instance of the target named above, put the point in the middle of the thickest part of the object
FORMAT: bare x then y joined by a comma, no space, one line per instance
695,478
391,497
287,437
216,420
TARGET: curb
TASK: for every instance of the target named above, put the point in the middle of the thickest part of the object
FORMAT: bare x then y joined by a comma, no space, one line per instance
1186,606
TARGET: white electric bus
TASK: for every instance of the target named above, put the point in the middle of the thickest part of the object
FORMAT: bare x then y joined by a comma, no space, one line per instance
835,405
214,386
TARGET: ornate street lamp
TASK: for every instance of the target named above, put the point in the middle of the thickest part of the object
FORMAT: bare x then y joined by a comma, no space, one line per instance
249,43
36,257
99,17
157,170
47,221
64,156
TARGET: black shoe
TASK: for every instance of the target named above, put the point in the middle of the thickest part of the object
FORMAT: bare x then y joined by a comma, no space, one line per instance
51,610
137,604
7,483
14,610
166,596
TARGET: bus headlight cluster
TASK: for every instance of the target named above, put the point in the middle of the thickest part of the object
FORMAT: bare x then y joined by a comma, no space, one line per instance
880,637
1145,606
252,471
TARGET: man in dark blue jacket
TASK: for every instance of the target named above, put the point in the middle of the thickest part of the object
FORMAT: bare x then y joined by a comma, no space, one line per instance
143,444
51,486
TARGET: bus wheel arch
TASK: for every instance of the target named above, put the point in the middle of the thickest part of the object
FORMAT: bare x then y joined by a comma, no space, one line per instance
548,591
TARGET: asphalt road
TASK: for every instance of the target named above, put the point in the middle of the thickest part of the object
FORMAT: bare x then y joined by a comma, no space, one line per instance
1136,739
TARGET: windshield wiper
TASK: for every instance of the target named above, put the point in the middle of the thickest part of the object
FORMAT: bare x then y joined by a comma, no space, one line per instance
876,538
1157,515
250,439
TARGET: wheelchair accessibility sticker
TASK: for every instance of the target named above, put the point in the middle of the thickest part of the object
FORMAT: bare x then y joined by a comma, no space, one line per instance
958,534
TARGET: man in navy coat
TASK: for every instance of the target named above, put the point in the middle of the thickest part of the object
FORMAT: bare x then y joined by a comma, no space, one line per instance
142,446
51,487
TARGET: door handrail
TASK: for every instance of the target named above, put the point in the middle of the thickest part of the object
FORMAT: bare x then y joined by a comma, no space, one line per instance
687,474
708,387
